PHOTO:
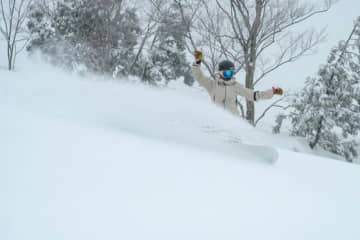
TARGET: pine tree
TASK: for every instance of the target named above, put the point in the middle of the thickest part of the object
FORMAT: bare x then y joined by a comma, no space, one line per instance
327,111
40,28
98,34
102,36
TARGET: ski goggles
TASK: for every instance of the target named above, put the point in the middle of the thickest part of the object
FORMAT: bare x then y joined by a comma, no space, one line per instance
228,74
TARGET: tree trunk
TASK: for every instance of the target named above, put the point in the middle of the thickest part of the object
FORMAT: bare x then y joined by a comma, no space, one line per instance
317,137
251,59
250,106
249,82
9,64
10,53
141,48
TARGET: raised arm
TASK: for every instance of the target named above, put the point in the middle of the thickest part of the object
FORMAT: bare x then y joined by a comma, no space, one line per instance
252,95
198,74
203,80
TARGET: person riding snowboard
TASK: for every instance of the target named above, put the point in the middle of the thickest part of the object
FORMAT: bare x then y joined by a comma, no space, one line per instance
225,89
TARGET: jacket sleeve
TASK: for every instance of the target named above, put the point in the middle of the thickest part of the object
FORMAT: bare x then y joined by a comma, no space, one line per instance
252,95
203,80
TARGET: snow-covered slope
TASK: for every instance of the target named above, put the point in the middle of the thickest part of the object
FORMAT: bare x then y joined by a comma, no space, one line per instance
87,159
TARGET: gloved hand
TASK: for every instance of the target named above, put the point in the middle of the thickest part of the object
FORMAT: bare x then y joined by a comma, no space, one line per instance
198,56
277,91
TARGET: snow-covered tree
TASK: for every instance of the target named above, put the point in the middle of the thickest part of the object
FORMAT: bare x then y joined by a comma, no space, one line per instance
40,27
327,111
47,36
98,34
165,58
110,37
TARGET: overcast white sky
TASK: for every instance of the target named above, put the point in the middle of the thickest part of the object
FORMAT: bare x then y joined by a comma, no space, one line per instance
339,21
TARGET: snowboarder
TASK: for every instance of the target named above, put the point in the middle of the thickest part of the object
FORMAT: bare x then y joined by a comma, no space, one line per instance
225,89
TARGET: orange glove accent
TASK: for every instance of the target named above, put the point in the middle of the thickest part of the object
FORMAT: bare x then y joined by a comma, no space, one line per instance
198,56
277,91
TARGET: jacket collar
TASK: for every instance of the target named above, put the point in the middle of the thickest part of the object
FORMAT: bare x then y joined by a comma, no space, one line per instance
223,82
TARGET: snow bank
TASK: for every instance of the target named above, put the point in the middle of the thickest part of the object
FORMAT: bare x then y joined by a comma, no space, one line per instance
87,159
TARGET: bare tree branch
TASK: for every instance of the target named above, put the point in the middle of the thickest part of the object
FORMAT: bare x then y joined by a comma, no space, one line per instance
273,105
252,30
12,20
188,23
296,16
297,48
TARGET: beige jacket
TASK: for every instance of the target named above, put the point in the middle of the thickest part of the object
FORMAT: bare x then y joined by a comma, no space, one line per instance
224,93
